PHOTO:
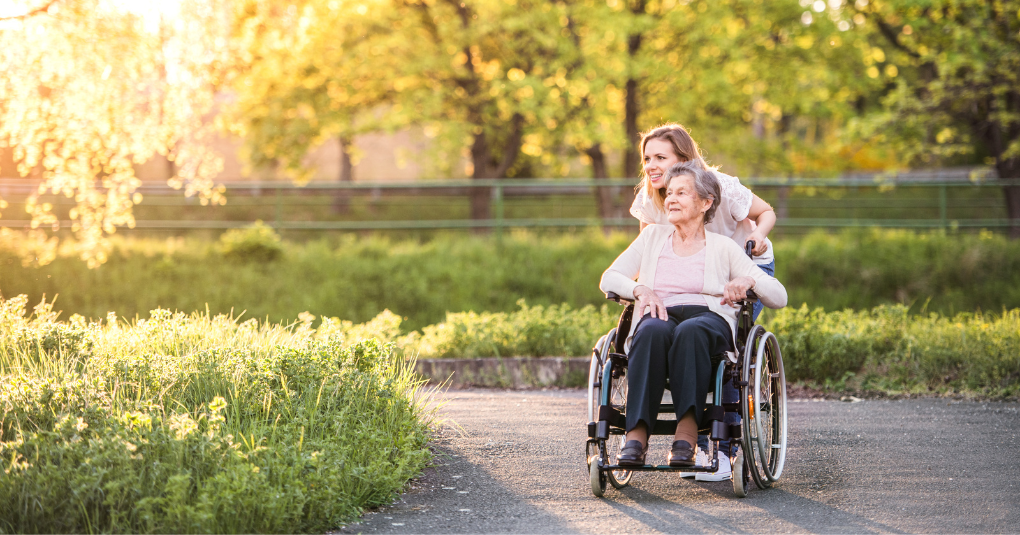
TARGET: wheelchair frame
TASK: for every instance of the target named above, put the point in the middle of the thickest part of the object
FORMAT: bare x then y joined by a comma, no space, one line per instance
758,373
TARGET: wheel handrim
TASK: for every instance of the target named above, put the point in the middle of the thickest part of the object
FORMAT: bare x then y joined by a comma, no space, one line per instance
771,395
750,409
618,400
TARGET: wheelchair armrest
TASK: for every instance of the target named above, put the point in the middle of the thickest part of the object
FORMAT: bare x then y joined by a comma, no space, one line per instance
612,296
751,296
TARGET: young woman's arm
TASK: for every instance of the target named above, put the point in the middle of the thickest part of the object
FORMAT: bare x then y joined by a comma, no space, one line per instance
765,218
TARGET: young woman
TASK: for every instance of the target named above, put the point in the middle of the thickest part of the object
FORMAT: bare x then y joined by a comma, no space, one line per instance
740,215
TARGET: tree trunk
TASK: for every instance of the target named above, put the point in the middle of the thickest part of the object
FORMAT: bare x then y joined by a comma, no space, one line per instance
480,197
485,167
605,196
342,198
631,156
1009,169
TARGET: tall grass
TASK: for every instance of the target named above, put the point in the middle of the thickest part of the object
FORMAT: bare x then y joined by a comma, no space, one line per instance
355,278
199,423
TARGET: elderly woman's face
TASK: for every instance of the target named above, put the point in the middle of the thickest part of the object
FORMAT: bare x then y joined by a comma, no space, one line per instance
682,202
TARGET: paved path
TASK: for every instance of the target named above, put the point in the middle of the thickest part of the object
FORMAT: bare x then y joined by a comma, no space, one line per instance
513,462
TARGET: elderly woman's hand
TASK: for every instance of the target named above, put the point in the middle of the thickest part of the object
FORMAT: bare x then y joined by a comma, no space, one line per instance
736,290
648,301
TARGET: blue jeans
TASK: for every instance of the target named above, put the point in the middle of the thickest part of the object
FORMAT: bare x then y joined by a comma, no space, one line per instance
730,394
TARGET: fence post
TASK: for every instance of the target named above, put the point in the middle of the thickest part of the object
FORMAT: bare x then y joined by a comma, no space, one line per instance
497,194
943,219
279,208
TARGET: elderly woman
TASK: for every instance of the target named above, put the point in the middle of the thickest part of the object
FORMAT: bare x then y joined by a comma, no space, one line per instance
689,282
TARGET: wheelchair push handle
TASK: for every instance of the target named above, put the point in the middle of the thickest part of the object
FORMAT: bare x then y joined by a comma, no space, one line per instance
612,296
749,249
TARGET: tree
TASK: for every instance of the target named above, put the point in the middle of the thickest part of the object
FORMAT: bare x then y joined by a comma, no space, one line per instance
953,71
89,90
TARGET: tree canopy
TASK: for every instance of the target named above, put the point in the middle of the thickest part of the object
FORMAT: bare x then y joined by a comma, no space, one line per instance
500,88
91,89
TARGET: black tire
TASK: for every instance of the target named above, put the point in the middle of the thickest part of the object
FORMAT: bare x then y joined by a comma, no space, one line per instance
763,404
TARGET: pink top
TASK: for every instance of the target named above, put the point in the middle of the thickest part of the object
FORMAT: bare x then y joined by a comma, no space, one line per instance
680,280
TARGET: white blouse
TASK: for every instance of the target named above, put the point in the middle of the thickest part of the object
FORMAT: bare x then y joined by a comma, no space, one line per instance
729,218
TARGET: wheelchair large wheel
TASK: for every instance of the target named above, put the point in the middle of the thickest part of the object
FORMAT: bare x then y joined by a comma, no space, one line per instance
599,354
763,404
598,376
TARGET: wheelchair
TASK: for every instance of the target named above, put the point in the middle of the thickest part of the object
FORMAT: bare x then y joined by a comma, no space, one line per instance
756,370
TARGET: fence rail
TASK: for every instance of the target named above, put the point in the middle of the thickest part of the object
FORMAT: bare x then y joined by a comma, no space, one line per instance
802,203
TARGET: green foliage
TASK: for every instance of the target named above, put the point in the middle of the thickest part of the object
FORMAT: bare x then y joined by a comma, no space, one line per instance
883,349
524,88
199,423
257,243
355,278
534,331
886,349
934,271
953,70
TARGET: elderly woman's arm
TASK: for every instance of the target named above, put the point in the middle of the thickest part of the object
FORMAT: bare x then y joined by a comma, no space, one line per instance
619,278
745,275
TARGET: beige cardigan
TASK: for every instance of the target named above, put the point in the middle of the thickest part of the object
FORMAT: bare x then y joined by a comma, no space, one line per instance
724,261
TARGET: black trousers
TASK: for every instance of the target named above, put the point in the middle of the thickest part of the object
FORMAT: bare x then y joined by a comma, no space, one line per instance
680,348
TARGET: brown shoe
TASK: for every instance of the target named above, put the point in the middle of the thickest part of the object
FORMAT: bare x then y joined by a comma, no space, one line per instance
682,454
632,454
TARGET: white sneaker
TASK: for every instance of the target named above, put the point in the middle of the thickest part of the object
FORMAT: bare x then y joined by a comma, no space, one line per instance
700,459
725,471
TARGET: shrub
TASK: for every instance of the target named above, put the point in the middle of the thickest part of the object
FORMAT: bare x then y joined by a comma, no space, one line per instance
198,424
257,243
529,332
886,349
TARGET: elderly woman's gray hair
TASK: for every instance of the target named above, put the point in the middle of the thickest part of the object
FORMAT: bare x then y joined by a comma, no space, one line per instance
705,183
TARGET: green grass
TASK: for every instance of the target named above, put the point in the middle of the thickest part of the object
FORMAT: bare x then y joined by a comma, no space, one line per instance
354,278
182,424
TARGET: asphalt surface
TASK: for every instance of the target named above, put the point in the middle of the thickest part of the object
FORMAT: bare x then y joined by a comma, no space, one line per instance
513,462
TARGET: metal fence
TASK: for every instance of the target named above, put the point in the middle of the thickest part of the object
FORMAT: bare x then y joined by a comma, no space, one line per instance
803,203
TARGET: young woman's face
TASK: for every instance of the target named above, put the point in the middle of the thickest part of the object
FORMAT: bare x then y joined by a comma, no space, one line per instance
682,201
658,157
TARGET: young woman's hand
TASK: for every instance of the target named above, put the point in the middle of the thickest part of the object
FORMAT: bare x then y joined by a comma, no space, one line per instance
736,290
648,301
759,242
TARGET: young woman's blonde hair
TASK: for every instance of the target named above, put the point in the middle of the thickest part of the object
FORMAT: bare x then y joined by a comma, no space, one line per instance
685,148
